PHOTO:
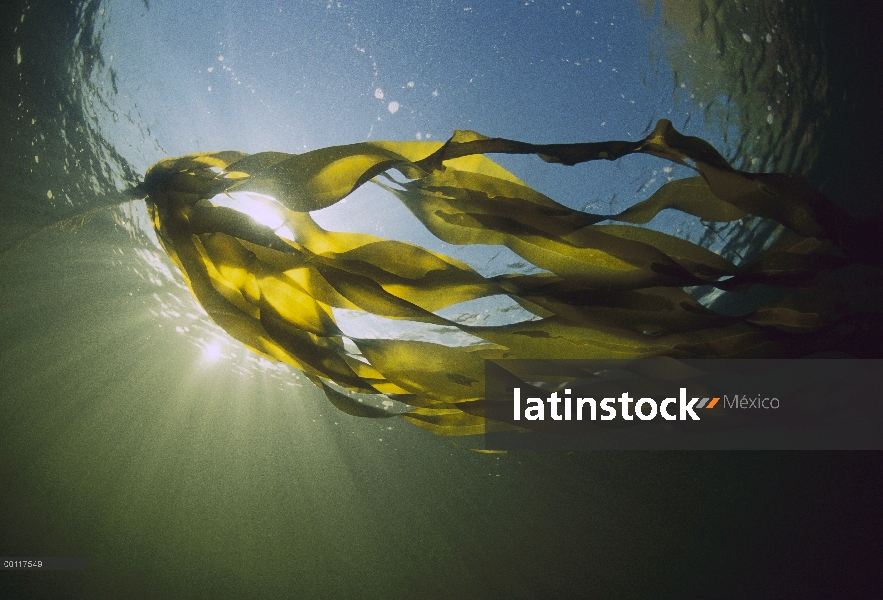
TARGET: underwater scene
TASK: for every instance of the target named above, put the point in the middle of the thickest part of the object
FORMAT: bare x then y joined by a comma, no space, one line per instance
255,258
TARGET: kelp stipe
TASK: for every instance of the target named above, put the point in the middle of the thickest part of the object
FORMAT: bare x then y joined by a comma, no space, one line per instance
76,221
609,290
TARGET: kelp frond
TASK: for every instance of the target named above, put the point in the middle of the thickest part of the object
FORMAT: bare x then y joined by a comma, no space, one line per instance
612,290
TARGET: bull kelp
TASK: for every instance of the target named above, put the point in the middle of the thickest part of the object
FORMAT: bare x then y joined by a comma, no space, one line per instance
606,287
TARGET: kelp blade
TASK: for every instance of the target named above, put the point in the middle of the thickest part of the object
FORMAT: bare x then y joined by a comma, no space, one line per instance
611,290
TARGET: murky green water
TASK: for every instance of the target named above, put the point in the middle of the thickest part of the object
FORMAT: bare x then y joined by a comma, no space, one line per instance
134,432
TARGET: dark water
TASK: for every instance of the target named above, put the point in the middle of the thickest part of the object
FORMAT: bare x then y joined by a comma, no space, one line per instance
135,433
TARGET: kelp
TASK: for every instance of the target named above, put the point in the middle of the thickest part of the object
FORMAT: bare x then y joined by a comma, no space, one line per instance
608,288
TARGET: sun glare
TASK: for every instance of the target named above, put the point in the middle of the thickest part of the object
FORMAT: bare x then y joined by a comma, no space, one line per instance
212,352
266,210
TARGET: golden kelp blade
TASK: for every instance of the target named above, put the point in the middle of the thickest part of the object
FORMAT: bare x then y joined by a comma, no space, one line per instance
610,291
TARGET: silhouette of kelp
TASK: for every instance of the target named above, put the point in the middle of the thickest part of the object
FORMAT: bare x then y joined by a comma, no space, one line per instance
612,290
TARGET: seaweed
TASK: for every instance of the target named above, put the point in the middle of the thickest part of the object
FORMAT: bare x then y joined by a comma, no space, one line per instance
609,287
